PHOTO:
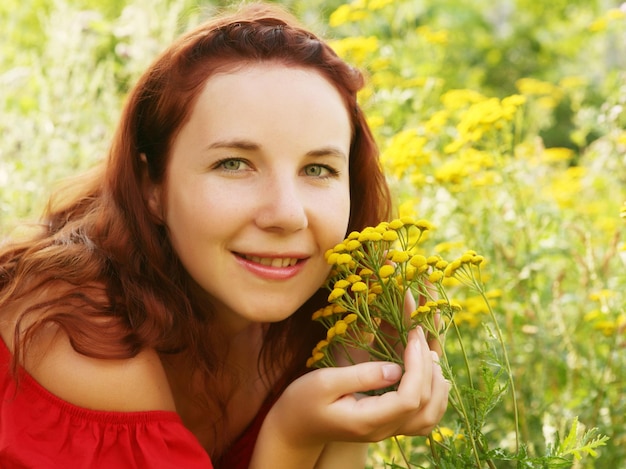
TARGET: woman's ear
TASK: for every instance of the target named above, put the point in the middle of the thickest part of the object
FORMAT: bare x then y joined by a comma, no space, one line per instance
151,192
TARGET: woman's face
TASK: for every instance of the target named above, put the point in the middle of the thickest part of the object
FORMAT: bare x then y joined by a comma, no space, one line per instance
257,189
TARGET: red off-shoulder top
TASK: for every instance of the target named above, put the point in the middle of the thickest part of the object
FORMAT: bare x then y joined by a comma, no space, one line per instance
38,430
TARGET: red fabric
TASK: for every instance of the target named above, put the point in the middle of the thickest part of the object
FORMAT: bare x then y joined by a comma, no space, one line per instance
239,454
39,430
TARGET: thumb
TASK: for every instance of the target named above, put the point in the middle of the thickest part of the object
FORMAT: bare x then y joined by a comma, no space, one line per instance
361,377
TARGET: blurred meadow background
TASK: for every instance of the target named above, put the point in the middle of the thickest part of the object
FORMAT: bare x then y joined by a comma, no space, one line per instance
501,122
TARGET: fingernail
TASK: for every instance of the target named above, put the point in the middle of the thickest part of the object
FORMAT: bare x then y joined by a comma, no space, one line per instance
392,372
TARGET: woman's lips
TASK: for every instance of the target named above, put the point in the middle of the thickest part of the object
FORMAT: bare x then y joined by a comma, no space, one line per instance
272,268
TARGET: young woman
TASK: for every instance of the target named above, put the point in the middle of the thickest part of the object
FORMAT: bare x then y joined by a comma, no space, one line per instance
161,317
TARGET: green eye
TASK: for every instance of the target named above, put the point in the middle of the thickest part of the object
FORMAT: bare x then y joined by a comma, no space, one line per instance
314,170
231,165
319,171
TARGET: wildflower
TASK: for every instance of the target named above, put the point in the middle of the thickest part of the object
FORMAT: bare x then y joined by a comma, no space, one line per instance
343,259
340,327
396,224
441,433
399,256
314,359
358,287
386,271
317,314
353,244
451,268
436,276
418,261
370,236
390,236
336,293
423,225
353,278
350,318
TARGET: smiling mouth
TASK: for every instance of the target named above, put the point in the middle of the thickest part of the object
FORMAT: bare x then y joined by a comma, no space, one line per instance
272,261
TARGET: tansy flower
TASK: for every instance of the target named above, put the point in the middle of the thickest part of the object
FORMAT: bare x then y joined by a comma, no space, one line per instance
336,293
386,271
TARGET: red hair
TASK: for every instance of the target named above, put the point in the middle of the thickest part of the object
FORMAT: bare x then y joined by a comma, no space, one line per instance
113,282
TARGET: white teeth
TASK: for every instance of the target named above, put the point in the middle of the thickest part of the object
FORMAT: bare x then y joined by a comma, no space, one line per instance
273,261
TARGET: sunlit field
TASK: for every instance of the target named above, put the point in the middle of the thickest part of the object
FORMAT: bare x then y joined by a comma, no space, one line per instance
503,124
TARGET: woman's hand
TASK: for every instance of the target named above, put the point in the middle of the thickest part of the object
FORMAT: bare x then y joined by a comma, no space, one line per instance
325,405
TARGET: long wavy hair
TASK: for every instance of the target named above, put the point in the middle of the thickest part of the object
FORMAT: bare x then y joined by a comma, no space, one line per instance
104,267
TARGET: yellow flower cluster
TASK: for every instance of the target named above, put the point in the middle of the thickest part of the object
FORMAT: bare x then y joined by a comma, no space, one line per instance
355,11
373,272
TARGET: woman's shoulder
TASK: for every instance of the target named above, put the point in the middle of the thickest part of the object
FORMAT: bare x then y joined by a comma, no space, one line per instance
122,385
69,435
132,384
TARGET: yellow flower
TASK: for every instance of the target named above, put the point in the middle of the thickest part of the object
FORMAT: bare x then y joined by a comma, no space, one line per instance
396,224
418,261
390,236
457,99
407,221
370,236
378,4
398,256
336,293
341,327
358,287
332,258
364,272
314,359
353,278
321,344
423,225
386,271
350,318
436,276
353,244
601,295
557,154
356,48
441,433
343,259
452,268
342,283
317,314
432,260
532,86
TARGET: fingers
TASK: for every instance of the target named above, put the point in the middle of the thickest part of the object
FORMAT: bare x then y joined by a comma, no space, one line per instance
418,366
424,382
368,376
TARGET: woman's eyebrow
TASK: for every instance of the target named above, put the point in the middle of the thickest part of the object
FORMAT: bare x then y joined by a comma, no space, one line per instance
235,143
249,145
328,151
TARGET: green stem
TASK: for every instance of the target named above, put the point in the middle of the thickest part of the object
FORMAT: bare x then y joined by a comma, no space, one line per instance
467,365
508,366
463,414
402,453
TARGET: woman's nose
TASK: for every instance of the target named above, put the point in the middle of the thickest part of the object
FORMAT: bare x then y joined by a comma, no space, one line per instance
282,206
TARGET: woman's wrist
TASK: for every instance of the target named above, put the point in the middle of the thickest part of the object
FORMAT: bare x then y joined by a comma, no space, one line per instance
280,448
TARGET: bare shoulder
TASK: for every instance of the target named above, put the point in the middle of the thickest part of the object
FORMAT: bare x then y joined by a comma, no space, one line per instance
128,385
